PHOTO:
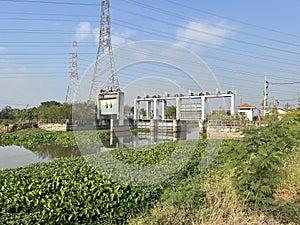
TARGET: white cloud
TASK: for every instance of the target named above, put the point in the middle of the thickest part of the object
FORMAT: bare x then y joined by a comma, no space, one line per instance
3,50
84,31
118,38
197,33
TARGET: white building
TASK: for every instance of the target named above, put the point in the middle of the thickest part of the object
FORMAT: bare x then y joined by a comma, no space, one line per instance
246,110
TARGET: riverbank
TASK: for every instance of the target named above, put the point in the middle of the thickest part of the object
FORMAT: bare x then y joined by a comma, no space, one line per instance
253,181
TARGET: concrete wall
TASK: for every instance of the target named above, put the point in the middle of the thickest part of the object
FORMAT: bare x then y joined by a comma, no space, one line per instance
53,127
223,133
6,129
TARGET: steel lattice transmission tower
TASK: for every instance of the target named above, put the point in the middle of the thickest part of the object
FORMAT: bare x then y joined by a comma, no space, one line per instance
74,79
104,47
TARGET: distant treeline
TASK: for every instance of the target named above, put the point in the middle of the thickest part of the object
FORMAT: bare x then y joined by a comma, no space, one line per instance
49,110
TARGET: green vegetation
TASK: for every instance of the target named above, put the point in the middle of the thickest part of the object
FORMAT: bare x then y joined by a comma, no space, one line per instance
66,191
50,110
171,112
254,181
259,159
30,138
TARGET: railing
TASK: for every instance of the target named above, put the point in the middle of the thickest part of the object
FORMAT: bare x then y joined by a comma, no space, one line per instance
53,121
229,123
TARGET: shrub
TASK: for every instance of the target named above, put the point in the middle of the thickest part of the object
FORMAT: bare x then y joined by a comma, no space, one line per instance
257,162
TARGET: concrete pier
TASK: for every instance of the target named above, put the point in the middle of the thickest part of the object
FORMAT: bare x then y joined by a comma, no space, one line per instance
202,129
179,126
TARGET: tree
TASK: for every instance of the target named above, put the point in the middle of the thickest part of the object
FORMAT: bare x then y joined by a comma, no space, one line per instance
50,103
128,109
52,110
7,113
143,112
27,114
171,112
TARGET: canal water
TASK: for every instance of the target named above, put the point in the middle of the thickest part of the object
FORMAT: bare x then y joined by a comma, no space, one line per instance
15,156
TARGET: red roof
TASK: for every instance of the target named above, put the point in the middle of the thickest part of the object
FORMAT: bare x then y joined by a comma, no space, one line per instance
246,106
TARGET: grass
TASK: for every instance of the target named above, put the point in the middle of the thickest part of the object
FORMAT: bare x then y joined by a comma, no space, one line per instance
289,188
221,205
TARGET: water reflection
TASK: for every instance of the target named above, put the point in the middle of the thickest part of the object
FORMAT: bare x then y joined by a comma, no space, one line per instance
131,140
15,156
54,151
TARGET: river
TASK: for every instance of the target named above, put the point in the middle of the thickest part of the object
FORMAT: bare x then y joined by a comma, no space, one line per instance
16,156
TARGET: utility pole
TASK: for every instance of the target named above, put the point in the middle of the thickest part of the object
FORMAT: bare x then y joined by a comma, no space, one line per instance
74,79
259,118
266,94
104,48
276,103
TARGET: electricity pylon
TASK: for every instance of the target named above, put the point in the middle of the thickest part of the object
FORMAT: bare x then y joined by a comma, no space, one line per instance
73,86
104,48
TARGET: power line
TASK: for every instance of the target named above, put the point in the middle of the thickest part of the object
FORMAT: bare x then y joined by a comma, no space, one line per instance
57,14
288,100
286,83
187,61
51,2
247,73
18,77
43,19
239,72
169,35
23,31
16,58
130,76
229,18
120,21
242,63
189,19
40,54
164,34
64,32
43,42
55,45
141,15
191,42
46,14
133,26
220,68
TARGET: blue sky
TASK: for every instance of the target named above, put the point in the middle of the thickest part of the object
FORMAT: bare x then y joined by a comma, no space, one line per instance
241,41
